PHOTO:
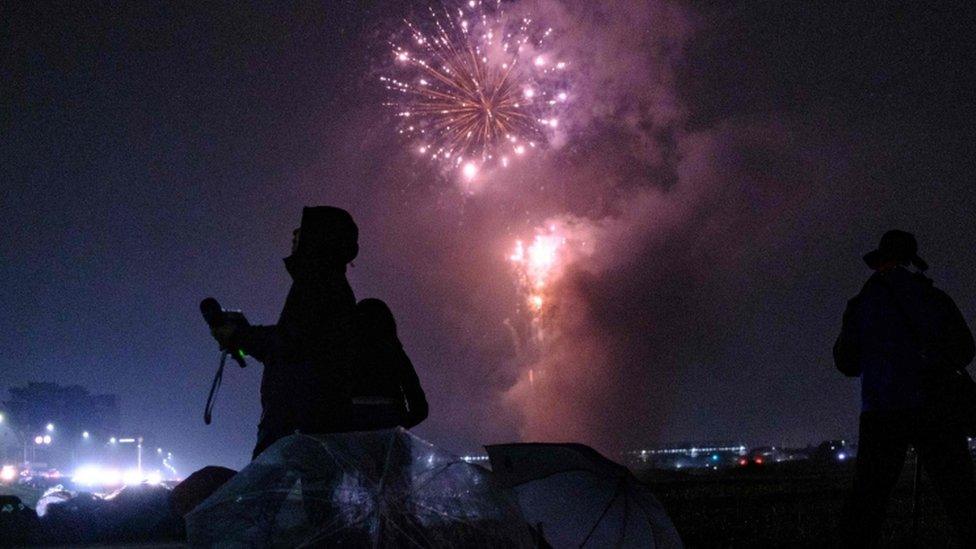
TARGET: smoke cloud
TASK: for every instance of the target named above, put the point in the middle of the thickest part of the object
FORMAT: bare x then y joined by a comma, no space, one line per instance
666,221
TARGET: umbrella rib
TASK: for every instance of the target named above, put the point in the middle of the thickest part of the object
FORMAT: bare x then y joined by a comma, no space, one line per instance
554,473
606,508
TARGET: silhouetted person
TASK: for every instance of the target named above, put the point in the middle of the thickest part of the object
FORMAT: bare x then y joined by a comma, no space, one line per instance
307,355
905,338
386,391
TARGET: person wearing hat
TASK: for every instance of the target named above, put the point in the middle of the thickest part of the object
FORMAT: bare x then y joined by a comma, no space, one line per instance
308,354
903,337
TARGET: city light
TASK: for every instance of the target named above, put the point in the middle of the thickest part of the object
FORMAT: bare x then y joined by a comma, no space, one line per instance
8,473
112,440
94,475
1,418
47,439
38,439
85,435
131,476
50,427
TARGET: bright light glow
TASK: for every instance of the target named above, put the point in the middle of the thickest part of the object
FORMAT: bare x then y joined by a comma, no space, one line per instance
112,440
38,439
126,440
85,435
841,456
47,439
109,477
535,266
50,427
95,475
540,61
8,473
1,418
469,170
131,476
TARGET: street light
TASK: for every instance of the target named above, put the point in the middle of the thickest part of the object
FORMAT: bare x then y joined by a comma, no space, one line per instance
50,427
85,435
111,440
38,439
47,439
1,418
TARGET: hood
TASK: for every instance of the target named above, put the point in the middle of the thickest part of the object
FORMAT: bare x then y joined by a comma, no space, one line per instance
329,240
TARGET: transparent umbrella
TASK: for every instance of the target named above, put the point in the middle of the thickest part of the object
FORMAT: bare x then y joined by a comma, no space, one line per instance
371,489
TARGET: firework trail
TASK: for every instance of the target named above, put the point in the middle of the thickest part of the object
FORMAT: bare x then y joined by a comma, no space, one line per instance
473,90
541,264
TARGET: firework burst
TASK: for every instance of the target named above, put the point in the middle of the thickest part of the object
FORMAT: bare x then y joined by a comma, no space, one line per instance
475,90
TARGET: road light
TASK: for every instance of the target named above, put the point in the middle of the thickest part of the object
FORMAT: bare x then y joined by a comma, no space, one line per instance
47,439
1,418
50,427
85,435
38,439
112,440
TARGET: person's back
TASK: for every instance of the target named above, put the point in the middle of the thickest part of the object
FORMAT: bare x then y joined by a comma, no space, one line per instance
385,388
904,338
892,376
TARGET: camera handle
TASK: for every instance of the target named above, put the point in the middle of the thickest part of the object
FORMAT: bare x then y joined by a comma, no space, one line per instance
214,387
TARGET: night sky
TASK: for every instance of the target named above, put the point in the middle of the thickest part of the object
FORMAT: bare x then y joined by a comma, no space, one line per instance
731,166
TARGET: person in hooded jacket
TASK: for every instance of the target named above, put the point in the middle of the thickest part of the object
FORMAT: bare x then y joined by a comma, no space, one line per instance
308,354
905,339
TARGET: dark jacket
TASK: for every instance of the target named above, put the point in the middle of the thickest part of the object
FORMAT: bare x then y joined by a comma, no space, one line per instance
383,370
899,334
307,354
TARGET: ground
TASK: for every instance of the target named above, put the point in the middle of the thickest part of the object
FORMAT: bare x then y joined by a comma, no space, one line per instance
797,505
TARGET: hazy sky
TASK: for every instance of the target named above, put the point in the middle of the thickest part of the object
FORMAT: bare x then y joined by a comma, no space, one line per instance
730,165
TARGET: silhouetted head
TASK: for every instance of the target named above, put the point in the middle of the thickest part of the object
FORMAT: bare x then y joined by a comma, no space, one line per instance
327,237
896,248
376,317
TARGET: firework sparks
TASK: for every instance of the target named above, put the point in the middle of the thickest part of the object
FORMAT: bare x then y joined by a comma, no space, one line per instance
540,265
475,90
536,266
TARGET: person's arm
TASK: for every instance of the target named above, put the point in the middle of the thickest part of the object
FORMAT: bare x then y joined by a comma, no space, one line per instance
292,332
417,407
846,349
955,338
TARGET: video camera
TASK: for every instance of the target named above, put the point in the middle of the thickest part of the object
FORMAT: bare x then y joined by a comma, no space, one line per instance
216,316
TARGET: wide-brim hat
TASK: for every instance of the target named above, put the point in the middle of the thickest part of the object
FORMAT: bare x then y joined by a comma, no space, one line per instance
898,246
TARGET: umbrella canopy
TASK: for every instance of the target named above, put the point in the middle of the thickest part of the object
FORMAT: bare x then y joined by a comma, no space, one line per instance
578,498
371,489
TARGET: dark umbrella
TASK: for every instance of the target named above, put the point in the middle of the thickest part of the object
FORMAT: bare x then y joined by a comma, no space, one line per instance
578,498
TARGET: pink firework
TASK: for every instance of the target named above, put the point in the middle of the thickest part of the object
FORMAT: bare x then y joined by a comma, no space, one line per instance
474,88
